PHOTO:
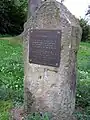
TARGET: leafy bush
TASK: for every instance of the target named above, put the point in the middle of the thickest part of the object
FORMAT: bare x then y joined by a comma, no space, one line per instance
85,30
12,16
81,116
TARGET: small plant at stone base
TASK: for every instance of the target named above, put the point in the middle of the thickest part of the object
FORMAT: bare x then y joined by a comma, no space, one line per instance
37,116
82,116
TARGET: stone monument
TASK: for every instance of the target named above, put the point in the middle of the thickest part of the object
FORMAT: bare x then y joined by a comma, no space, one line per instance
51,42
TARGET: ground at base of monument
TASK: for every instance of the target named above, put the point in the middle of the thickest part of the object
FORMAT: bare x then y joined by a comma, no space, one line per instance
19,114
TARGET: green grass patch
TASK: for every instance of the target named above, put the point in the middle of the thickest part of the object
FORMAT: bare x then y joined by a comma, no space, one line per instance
83,82
84,57
12,40
5,107
12,73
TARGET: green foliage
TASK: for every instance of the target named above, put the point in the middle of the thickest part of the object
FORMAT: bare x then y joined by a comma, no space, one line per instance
12,16
81,116
88,11
5,35
11,80
5,106
11,71
37,116
83,82
85,30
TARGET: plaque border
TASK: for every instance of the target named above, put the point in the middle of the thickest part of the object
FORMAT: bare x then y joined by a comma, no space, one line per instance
58,50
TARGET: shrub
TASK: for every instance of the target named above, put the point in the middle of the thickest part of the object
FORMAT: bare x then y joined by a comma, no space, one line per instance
12,16
85,30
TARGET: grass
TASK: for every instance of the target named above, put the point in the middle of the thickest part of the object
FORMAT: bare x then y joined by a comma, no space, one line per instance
83,82
11,78
84,57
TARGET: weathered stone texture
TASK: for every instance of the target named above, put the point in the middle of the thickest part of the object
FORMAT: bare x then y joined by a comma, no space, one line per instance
50,89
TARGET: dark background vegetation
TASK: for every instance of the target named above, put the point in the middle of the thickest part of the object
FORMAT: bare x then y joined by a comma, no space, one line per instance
13,14
85,30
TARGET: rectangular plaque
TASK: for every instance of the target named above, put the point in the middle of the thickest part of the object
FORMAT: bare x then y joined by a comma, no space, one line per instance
45,47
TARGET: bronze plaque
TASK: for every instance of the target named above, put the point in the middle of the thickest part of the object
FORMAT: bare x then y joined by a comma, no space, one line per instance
45,47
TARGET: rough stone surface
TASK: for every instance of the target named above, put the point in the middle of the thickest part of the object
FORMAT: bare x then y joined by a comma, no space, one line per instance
32,7
17,114
50,89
